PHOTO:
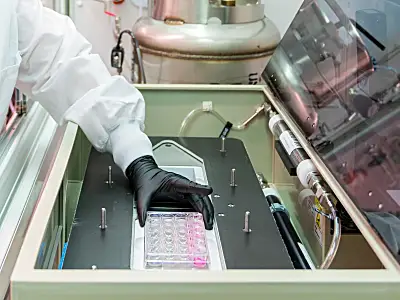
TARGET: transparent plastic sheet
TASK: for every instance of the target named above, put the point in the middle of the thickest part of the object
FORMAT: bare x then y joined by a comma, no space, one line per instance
337,72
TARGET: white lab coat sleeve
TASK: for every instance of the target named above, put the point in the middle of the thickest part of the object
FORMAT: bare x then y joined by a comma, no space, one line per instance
59,71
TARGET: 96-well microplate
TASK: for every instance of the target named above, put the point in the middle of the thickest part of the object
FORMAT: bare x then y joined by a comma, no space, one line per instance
175,241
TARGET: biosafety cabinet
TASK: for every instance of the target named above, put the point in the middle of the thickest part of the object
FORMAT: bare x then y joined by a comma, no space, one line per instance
305,173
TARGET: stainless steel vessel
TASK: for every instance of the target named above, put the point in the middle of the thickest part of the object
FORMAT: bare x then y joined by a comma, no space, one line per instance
202,41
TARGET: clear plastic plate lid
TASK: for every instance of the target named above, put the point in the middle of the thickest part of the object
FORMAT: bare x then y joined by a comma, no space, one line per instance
175,241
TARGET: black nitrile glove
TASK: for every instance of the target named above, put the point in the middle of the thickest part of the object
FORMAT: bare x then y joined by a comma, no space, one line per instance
150,183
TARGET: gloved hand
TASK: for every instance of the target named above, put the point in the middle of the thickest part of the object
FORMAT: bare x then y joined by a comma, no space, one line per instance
149,182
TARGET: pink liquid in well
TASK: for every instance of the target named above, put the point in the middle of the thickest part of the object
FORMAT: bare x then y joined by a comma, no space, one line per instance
199,262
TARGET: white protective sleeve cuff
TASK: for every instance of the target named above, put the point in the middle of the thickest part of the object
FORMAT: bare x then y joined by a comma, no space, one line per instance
112,117
128,142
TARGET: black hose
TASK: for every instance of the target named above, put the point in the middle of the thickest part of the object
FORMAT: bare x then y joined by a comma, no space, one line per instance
136,53
289,235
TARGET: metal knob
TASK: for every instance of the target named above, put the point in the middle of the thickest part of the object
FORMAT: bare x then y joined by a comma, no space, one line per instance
103,219
246,222
109,180
222,150
233,178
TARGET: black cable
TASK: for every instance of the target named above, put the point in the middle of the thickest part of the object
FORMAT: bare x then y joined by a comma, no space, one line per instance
136,50
289,235
122,33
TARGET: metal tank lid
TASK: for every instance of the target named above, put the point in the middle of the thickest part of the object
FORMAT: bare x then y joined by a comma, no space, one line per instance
201,11
201,27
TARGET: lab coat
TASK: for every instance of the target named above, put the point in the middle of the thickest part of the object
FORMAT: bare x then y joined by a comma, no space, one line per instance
43,55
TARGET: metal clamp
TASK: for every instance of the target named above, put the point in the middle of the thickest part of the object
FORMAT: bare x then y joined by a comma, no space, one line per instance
328,216
277,207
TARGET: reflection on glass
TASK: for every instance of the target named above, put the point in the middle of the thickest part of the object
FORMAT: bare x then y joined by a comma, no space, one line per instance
337,72
17,107
11,114
8,133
